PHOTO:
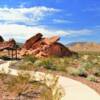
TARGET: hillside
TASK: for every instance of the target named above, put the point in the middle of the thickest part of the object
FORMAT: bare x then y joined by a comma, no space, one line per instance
84,46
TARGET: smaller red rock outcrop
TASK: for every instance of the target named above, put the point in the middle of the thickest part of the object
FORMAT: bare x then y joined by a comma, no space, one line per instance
7,44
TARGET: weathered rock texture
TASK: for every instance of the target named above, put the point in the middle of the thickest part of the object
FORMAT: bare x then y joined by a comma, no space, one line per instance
32,40
44,47
7,44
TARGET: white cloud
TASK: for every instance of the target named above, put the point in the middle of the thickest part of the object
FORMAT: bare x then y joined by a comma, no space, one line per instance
26,15
11,29
81,32
23,32
62,21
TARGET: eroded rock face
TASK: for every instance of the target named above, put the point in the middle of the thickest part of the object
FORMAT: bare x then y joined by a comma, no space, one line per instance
32,40
7,44
44,47
57,49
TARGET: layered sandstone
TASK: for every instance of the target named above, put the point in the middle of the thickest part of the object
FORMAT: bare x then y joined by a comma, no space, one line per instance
44,47
7,44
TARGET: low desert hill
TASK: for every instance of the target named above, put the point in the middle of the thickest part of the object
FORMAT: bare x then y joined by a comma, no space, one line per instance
84,46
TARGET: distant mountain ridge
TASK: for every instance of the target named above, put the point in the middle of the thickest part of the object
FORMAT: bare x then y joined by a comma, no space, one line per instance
84,46
74,43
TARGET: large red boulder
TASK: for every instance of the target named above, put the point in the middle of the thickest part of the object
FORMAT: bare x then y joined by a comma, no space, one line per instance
57,49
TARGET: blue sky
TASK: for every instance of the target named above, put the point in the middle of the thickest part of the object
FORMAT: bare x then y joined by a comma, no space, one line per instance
72,20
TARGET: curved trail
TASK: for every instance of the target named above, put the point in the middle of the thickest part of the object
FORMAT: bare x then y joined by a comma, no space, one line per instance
74,90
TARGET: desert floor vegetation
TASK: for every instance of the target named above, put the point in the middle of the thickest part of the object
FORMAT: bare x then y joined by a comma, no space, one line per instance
23,87
86,66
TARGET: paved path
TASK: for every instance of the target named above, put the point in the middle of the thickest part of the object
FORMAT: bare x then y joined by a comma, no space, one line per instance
77,91
74,90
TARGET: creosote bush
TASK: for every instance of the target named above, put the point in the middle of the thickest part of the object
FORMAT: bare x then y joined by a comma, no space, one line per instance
30,58
97,72
54,63
92,78
78,72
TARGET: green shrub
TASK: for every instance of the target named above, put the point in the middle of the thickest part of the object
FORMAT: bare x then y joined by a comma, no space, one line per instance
97,72
28,65
52,63
71,71
17,83
30,58
78,72
92,78
87,65
38,63
81,72
48,64
61,67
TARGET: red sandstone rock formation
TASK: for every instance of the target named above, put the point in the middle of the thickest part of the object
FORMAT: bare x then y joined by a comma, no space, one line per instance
32,40
57,49
51,40
7,44
44,47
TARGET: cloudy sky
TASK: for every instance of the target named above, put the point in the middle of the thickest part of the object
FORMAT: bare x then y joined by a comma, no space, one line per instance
72,20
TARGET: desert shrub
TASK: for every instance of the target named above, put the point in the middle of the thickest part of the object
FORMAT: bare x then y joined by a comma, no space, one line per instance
38,63
97,72
58,64
92,78
61,67
48,64
78,72
68,60
23,86
16,84
87,65
30,58
52,83
91,67
23,77
3,76
81,72
71,71
57,91
28,65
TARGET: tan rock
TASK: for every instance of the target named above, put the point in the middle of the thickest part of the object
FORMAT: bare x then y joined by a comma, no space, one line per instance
51,40
41,54
23,52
